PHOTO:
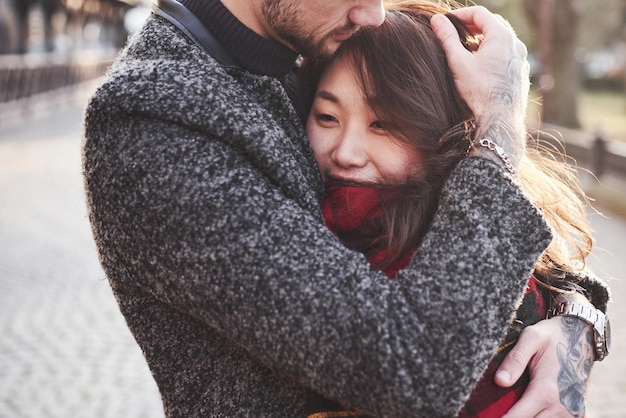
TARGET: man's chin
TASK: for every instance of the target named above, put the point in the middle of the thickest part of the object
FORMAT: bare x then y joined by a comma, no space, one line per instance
329,50
322,50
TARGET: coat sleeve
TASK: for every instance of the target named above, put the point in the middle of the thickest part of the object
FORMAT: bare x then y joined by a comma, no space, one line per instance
593,288
197,224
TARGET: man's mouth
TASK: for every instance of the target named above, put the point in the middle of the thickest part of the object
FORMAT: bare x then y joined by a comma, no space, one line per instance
345,32
343,36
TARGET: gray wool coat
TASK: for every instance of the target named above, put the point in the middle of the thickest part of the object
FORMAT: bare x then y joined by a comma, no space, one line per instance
204,200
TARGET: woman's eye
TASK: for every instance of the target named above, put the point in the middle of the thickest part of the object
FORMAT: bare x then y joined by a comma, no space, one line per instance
325,118
380,125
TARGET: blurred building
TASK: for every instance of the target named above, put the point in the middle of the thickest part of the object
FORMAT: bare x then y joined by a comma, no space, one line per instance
34,26
49,47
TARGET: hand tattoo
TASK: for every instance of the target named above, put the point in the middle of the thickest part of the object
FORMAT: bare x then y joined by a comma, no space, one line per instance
576,359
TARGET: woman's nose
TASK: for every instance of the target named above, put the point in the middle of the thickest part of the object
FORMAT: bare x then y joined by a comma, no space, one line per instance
368,13
349,150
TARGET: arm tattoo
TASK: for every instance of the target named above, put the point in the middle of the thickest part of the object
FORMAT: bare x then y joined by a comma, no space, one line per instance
576,359
504,122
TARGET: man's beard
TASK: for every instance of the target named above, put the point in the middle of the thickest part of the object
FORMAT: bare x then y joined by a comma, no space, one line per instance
288,26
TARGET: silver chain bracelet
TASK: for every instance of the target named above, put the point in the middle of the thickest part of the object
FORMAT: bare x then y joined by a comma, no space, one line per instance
499,151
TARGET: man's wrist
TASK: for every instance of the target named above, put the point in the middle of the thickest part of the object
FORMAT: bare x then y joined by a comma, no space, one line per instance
504,129
574,304
486,148
571,296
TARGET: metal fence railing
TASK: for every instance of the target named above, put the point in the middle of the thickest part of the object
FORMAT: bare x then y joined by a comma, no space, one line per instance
23,76
32,83
599,154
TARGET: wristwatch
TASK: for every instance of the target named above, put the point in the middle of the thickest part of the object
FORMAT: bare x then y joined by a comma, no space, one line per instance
595,317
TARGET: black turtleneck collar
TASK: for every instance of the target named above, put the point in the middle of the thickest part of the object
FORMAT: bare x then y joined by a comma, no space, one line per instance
253,52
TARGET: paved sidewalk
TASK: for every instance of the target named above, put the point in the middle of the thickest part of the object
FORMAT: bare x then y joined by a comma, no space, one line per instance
607,394
65,350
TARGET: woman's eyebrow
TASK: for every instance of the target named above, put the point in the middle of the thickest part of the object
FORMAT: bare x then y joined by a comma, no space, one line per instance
326,95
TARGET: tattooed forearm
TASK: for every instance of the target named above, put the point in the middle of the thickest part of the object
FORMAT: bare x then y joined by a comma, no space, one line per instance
503,121
576,359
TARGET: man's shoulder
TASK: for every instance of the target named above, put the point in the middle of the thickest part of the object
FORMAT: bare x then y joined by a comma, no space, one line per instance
162,70
162,55
163,76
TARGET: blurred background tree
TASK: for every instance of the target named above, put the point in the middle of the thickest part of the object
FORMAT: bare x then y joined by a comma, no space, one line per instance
557,27
574,45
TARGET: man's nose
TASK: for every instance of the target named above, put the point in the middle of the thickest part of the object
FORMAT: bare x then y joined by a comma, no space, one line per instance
368,13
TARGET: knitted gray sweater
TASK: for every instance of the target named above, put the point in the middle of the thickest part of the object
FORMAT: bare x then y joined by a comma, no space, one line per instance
204,200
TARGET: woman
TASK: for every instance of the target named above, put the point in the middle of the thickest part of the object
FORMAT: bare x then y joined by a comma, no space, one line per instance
387,127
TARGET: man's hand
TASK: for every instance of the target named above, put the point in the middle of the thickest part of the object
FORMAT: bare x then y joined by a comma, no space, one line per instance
494,80
559,353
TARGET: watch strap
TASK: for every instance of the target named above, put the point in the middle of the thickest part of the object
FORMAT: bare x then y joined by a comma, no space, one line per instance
595,317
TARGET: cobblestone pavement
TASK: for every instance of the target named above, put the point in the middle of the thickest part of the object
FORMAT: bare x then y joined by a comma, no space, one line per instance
64,348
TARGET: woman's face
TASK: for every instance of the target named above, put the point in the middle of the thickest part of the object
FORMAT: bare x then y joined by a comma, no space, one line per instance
350,143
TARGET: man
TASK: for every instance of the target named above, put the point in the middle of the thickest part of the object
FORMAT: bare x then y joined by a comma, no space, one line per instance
204,200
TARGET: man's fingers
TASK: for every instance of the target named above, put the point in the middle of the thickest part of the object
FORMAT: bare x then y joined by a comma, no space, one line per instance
459,58
526,407
536,403
447,34
518,358
479,20
483,23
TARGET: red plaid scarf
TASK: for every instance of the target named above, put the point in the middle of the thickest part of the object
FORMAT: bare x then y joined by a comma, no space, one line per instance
354,213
